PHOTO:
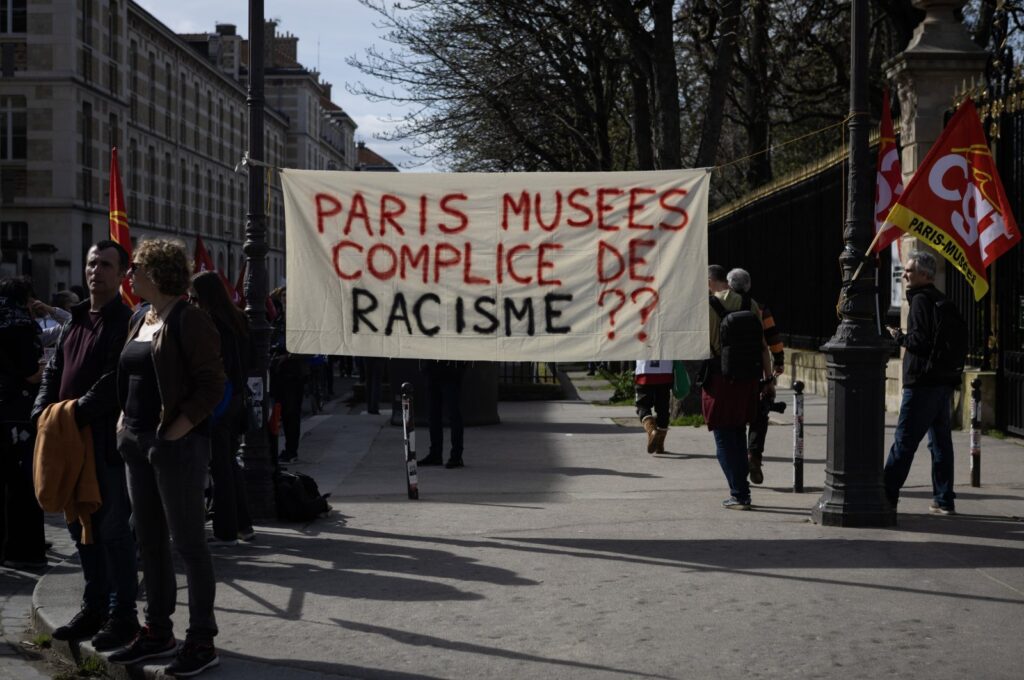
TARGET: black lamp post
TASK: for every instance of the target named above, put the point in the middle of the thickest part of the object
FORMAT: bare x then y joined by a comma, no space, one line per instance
856,354
255,451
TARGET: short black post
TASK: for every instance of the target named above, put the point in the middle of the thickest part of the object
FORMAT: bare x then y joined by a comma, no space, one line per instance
798,436
409,434
976,432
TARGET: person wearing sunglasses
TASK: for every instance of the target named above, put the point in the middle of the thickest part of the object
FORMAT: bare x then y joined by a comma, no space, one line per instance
170,379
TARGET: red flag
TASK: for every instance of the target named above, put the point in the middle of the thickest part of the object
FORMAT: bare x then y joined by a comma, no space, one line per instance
119,230
202,262
888,180
227,286
239,297
956,203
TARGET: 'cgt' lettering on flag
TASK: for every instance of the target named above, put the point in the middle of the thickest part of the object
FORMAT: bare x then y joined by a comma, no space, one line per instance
956,202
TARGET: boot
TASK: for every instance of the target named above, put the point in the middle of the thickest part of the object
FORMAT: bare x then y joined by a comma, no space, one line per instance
754,468
650,428
659,439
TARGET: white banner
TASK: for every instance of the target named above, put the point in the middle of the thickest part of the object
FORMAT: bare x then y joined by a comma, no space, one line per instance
498,267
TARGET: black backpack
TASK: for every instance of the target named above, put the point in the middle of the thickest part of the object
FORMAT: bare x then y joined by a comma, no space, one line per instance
298,497
742,337
949,350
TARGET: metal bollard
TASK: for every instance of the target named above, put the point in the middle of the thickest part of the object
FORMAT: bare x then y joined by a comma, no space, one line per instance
798,436
409,434
975,433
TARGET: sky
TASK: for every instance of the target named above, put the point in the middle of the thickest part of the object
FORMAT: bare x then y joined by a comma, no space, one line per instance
343,28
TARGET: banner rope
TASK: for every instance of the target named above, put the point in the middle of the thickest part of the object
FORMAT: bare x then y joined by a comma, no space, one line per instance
773,147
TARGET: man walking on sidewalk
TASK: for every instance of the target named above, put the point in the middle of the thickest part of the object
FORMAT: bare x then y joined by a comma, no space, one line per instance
84,368
928,383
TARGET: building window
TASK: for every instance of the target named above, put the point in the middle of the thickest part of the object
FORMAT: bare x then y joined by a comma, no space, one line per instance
112,23
151,184
195,142
133,65
168,97
87,64
183,192
209,202
87,21
87,134
182,102
133,180
113,77
209,123
223,132
220,201
12,128
152,91
113,131
197,194
12,16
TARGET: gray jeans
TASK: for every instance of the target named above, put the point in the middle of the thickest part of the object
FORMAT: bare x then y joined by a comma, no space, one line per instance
165,482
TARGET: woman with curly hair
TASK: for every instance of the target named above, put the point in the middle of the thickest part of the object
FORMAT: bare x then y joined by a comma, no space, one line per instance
170,379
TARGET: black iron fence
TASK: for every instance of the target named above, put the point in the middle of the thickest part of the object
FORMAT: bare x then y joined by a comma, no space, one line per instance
789,238
996,322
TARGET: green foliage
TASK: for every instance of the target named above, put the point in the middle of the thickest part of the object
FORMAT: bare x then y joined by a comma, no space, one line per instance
92,667
43,641
623,386
688,420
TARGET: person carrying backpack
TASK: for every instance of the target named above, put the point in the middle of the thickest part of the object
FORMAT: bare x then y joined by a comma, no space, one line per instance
934,350
740,363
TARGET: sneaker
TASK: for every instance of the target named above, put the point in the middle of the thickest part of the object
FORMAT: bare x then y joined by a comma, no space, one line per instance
287,457
937,509
145,646
193,658
84,624
214,542
454,463
246,535
119,631
430,460
732,503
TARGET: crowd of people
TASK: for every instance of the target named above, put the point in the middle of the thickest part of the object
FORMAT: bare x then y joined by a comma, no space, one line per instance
149,405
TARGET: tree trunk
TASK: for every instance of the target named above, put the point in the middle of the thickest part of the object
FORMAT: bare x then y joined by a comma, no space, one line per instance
756,98
711,130
666,87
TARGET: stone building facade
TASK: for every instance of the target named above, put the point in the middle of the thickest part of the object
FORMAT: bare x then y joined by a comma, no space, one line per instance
80,76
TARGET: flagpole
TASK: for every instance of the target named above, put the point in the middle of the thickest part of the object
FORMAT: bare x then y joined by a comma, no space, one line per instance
255,451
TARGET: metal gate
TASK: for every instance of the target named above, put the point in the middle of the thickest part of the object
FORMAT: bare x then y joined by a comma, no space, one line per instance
1001,107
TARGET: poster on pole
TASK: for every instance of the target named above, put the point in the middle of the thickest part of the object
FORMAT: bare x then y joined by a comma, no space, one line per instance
498,266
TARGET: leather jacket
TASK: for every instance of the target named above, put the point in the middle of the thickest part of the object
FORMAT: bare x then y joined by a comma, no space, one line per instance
189,371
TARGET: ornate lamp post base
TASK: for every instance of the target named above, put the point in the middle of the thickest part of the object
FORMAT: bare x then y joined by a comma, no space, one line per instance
854,495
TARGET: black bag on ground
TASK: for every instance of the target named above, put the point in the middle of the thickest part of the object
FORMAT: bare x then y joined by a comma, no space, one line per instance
298,497
742,338
949,351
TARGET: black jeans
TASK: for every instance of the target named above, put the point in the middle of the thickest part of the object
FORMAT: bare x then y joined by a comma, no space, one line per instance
654,397
444,386
166,480
291,413
230,504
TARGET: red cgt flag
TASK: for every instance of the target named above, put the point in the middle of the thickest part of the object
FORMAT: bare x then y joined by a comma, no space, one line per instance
119,230
888,180
202,262
956,203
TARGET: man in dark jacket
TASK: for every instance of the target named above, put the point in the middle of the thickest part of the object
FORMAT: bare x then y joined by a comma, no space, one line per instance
84,368
927,391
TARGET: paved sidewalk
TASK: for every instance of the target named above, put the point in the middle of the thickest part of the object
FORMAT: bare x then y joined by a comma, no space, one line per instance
563,550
